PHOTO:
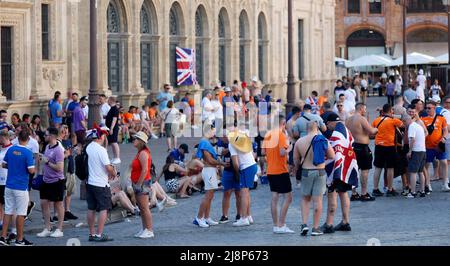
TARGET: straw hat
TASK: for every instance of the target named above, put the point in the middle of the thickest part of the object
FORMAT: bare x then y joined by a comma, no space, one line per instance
141,136
240,141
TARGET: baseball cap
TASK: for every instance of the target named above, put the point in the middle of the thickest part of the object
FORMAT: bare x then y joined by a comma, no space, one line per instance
307,107
227,89
333,117
184,147
84,98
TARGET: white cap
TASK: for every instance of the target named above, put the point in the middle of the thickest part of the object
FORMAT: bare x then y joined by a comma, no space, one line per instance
255,79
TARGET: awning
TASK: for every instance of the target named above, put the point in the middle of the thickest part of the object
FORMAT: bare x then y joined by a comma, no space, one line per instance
429,48
370,60
414,59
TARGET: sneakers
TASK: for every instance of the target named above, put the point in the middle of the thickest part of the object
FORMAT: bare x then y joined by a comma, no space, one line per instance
30,208
58,233
23,243
69,216
55,219
91,238
44,233
223,220
160,205
116,161
139,233
391,193
4,242
411,195
327,229
237,218
377,193
304,229
316,232
422,194
405,191
146,234
101,238
355,197
11,237
367,197
284,230
276,229
250,219
200,223
211,222
343,227
242,222
427,190
445,188
154,136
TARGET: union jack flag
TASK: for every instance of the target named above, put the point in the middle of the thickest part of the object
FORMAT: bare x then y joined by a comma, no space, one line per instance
186,67
344,167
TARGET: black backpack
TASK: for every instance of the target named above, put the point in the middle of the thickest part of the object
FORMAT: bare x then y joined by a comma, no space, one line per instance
81,165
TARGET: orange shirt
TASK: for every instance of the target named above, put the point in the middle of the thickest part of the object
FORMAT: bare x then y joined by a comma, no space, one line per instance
386,131
432,141
273,142
321,101
152,113
127,118
221,95
191,103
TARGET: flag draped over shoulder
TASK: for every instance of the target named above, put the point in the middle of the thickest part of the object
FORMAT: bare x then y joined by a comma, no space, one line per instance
186,75
344,167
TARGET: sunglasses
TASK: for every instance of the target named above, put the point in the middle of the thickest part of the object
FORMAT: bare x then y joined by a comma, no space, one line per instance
339,105
429,108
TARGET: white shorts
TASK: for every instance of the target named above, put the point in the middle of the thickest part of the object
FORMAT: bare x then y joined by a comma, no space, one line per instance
16,202
209,175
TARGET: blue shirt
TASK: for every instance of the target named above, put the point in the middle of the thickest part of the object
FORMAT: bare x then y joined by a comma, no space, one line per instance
19,160
177,156
54,108
163,103
205,145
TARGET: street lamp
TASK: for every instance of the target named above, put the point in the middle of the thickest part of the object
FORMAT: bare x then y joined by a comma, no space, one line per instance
94,105
290,78
405,5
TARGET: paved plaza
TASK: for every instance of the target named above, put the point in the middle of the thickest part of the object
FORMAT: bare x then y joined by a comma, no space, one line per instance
393,221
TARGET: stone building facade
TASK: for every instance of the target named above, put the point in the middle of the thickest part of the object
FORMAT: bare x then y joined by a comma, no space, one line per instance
376,26
45,46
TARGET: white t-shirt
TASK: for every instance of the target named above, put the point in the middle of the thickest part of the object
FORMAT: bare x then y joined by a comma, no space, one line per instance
420,90
350,96
3,171
206,104
85,111
219,109
144,115
136,117
170,115
416,131
97,161
348,107
364,83
245,159
32,145
104,112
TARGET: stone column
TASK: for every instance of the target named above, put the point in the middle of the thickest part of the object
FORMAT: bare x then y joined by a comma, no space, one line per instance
37,91
73,79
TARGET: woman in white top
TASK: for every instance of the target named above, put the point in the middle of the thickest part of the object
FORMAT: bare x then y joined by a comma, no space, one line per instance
207,109
218,114
436,91
420,90
170,117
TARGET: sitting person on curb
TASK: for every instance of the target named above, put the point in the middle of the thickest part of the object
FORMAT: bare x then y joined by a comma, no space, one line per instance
119,196
159,193
174,183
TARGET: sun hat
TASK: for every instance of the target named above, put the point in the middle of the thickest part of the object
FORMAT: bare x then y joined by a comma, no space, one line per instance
141,136
240,141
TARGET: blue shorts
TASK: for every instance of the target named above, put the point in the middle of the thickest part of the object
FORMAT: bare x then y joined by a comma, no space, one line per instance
228,182
432,154
248,176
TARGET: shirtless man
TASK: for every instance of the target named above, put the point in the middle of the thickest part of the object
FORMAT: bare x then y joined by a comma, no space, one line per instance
361,131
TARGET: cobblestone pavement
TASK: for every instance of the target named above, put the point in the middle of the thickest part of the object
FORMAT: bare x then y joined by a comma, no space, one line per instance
393,221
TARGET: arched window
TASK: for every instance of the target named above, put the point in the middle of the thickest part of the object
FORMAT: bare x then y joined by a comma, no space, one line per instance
262,46
223,34
175,31
148,46
200,44
116,26
243,45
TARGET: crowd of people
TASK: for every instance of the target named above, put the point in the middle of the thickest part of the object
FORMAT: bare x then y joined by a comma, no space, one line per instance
323,144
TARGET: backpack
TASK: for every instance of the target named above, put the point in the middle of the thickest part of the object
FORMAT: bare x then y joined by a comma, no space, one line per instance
81,165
